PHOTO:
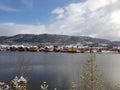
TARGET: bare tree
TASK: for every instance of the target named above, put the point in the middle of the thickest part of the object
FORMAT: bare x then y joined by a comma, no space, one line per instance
91,79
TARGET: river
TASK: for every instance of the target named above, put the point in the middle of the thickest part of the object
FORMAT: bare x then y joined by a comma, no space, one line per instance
57,69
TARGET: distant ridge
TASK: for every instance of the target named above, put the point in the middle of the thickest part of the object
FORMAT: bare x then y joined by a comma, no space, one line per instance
52,39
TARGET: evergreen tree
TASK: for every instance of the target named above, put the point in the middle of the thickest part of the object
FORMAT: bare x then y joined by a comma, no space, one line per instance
91,79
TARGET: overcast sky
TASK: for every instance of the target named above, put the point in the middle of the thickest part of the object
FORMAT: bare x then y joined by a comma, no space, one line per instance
95,18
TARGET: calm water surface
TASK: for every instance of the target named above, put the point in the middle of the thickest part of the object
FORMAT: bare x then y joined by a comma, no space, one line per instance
57,69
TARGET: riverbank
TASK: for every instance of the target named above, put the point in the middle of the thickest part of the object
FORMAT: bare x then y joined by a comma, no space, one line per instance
65,49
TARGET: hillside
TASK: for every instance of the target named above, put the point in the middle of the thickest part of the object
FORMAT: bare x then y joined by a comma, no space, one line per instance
51,39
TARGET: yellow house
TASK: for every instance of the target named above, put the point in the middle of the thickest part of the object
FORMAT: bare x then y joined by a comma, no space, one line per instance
72,49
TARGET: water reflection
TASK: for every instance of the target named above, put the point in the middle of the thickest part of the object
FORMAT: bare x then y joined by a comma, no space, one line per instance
57,69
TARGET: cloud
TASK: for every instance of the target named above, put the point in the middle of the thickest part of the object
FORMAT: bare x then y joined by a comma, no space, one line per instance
116,17
13,29
96,18
59,12
7,8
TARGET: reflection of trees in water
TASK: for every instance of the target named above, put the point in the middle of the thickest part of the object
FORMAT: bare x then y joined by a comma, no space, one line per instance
62,83
54,80
24,66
